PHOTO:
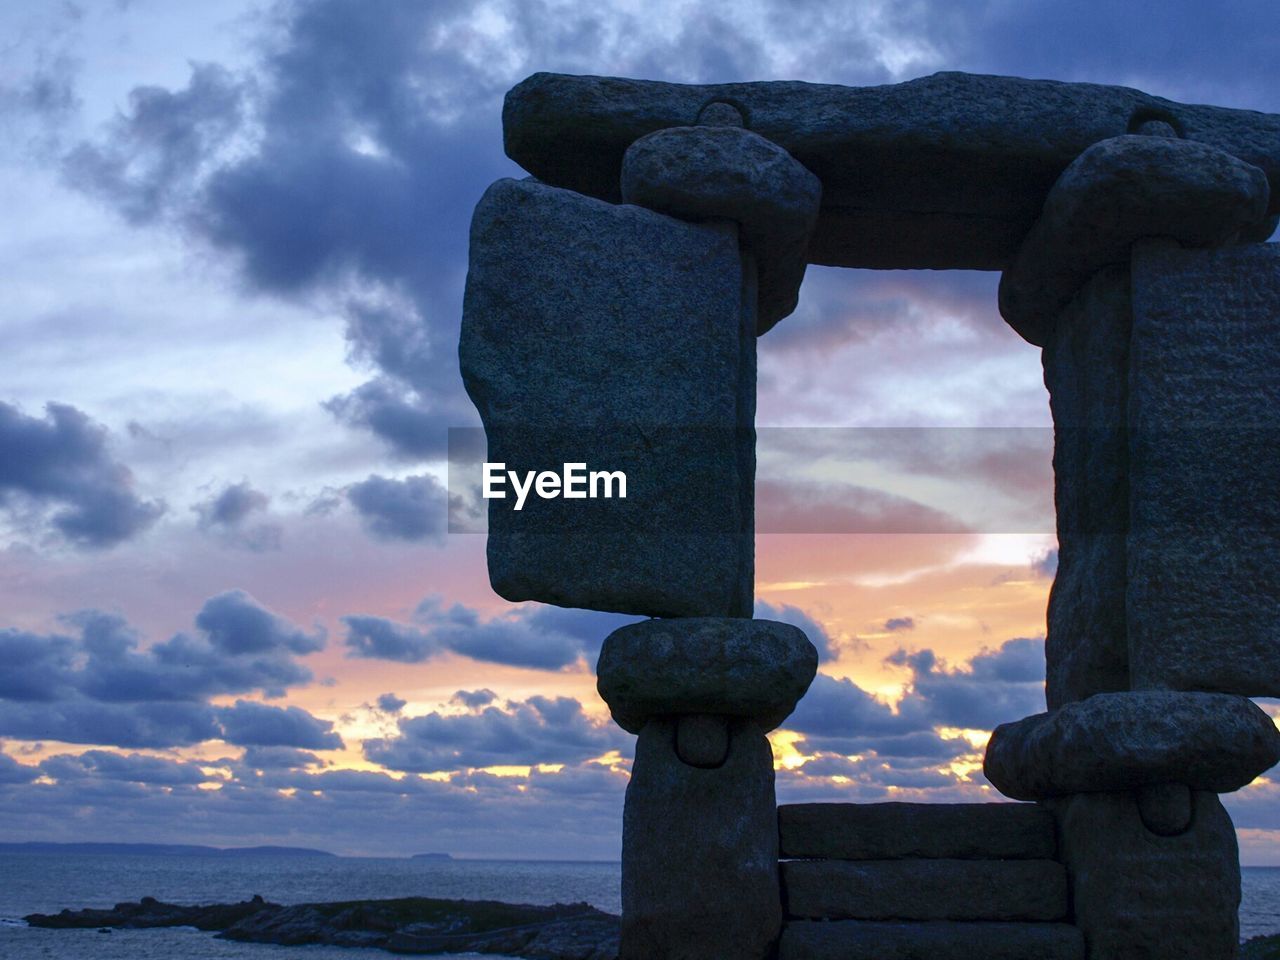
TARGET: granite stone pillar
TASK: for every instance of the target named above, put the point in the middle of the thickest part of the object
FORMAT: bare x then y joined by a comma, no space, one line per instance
700,832
1161,400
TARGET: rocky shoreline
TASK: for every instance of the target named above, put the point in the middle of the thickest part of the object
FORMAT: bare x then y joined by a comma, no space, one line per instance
412,925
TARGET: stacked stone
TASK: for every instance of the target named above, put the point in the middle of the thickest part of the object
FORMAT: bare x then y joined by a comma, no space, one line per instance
1158,321
700,833
700,840
624,336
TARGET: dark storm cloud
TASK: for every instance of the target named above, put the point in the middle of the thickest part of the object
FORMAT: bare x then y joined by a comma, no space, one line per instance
100,686
237,624
999,686
227,515
131,725
251,724
540,730
12,772
377,638
411,509
62,462
787,613
36,667
535,636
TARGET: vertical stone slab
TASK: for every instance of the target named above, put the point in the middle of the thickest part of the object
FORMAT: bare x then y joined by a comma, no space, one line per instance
1138,894
1203,603
617,337
1086,364
700,851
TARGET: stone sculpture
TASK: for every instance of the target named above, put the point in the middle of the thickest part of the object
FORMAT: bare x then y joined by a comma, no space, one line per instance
610,315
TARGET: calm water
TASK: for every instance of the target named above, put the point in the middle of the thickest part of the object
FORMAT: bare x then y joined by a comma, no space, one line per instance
46,883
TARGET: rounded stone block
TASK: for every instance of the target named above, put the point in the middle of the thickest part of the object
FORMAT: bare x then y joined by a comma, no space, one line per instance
1115,193
727,172
1126,741
705,665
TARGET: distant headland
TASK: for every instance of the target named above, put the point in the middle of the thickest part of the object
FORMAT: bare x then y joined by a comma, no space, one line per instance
161,850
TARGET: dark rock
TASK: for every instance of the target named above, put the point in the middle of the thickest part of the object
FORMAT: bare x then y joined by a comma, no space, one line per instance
937,940
892,831
1204,460
623,339
700,851
705,665
1123,741
924,889
709,172
1086,370
422,925
412,925
1136,894
1117,192
944,171
150,912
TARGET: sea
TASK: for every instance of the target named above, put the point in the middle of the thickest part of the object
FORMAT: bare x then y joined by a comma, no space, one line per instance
47,882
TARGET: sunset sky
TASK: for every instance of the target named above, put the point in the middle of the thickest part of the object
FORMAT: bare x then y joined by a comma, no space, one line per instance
234,247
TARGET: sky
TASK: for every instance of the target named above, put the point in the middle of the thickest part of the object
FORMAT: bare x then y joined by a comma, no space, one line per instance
234,249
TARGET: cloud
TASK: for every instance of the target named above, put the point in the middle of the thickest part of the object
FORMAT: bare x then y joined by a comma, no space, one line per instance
62,462
36,667
838,709
1046,565
536,636
131,725
539,730
995,686
227,513
390,703
237,624
473,699
98,685
145,164
132,767
893,624
377,638
413,509
999,686
276,758
13,772
251,724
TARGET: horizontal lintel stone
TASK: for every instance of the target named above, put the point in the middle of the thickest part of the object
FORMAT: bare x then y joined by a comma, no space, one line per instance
945,171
